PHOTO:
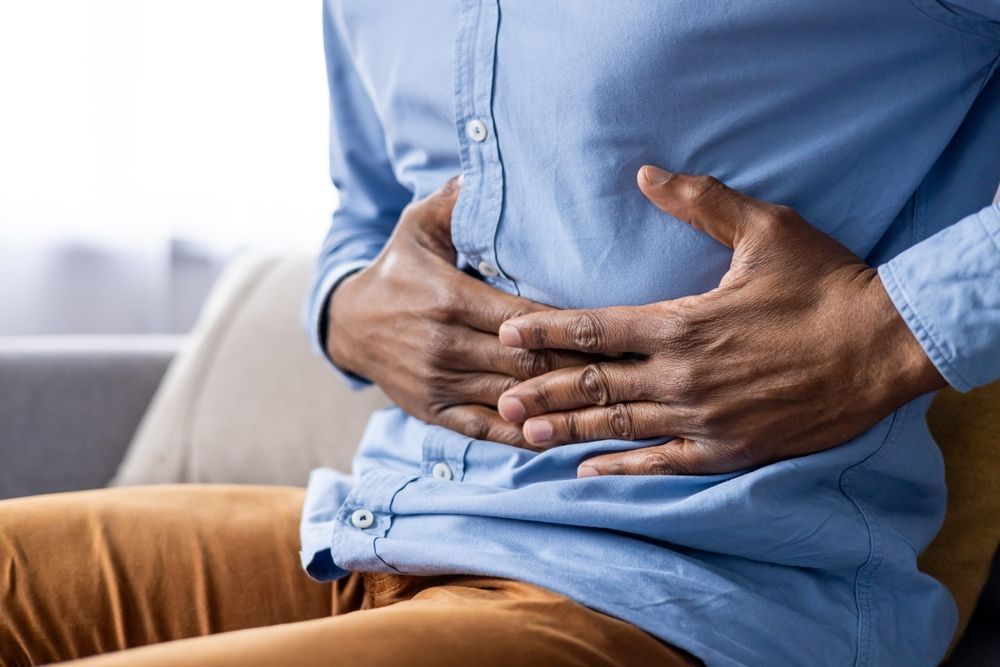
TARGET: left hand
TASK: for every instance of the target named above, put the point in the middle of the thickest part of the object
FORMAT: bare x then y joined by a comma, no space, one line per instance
797,350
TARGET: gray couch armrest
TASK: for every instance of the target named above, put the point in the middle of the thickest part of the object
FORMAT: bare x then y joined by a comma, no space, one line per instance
69,406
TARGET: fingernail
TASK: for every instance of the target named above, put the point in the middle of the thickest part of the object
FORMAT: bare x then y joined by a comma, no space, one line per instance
509,335
655,175
537,430
587,471
511,409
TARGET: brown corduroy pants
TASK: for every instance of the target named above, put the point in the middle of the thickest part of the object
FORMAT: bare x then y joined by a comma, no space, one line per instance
210,575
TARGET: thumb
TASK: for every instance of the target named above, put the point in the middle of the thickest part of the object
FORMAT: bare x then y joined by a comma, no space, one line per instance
440,204
703,202
432,217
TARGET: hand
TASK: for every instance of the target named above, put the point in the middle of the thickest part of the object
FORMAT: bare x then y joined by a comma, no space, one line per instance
797,350
425,332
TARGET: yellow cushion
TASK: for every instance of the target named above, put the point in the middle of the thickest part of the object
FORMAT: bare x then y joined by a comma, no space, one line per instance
967,427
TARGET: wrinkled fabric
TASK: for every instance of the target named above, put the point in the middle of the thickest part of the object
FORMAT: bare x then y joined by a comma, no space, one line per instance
878,122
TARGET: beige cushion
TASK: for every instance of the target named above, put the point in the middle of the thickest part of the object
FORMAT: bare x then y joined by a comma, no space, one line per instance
247,401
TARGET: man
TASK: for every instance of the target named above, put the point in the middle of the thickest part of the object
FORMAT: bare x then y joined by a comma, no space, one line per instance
646,415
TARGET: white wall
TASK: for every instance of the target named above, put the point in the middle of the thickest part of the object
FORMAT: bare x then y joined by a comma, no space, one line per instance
129,125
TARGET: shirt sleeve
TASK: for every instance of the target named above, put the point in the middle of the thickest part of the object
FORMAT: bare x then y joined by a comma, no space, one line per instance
947,288
371,199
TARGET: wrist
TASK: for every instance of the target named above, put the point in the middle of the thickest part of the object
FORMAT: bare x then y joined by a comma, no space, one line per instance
338,315
909,371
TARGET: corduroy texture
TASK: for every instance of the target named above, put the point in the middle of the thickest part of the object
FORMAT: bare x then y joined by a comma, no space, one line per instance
967,427
100,571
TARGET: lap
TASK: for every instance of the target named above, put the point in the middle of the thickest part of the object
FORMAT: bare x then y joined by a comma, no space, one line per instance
97,571
418,623
210,575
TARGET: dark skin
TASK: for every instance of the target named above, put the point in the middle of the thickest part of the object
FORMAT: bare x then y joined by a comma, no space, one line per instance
797,350
426,333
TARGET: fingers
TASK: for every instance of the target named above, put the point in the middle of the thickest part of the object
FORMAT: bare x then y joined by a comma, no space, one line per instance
479,351
486,308
480,423
472,301
600,331
701,201
576,387
480,388
620,421
679,456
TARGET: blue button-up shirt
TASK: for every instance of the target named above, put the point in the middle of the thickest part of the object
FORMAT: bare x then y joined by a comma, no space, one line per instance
879,122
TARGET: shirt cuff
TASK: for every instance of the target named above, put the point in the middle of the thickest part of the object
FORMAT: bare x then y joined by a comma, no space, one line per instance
316,322
947,289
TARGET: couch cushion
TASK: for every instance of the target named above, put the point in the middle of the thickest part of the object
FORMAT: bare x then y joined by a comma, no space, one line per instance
246,401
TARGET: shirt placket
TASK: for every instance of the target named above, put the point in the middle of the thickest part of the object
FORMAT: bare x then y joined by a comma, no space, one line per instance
477,212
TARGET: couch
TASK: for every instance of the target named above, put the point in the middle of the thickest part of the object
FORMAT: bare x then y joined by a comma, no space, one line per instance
239,400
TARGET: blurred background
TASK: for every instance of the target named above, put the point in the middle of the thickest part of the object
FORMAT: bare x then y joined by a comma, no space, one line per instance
142,144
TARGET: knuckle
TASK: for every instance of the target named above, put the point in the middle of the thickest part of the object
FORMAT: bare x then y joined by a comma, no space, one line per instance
684,379
444,305
783,212
506,385
438,385
777,217
510,311
676,332
531,363
477,426
710,419
542,399
621,422
442,309
573,426
657,462
440,345
593,385
586,333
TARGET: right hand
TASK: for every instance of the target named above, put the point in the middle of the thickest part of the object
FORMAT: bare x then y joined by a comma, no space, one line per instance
426,333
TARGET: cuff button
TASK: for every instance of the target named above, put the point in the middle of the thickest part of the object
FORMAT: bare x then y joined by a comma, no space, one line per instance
362,519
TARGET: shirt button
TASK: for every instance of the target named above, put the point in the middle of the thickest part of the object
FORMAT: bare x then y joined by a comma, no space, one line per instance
362,519
442,470
488,269
476,130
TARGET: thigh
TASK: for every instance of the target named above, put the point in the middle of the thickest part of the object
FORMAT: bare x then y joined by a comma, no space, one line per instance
446,621
97,571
